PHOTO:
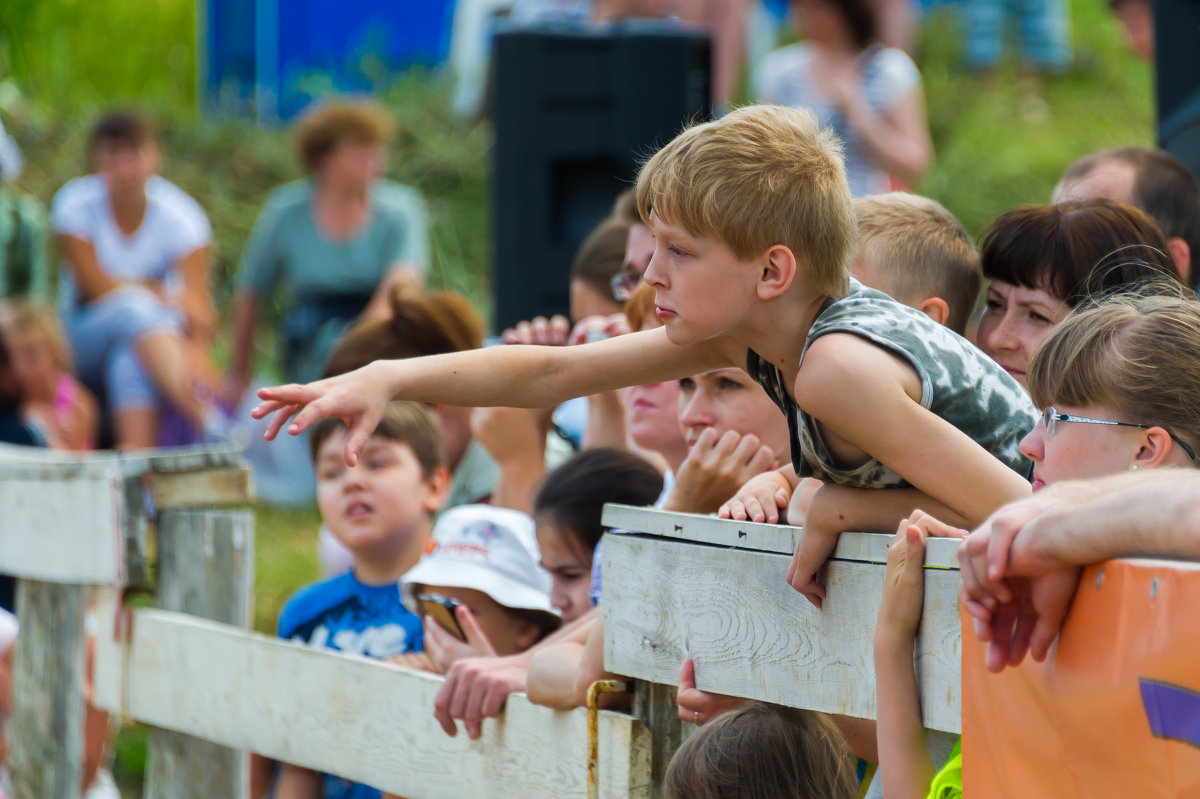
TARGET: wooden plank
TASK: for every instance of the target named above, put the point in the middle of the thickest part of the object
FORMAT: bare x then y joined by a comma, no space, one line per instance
862,547
753,636
361,719
32,462
46,730
64,530
655,705
226,485
206,569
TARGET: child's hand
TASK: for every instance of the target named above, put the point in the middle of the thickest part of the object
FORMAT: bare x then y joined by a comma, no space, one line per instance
444,649
696,706
359,398
598,326
539,330
715,467
762,499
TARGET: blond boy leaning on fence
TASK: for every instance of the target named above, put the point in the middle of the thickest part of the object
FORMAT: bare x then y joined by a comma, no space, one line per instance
754,228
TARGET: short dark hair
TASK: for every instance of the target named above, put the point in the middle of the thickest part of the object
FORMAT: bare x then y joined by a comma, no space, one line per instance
860,17
1078,249
573,495
325,127
408,423
1162,187
122,128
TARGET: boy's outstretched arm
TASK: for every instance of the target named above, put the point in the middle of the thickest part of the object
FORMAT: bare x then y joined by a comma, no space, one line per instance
513,376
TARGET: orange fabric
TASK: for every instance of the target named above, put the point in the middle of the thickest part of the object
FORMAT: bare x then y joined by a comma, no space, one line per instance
1099,718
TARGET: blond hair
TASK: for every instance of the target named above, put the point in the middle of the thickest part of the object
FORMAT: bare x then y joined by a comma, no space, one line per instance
758,177
763,752
28,319
920,250
1138,355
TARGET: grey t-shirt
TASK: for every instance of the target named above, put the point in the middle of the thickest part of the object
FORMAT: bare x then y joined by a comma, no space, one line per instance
958,383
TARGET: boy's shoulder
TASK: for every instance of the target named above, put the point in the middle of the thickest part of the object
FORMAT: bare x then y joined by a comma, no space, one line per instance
344,614
313,600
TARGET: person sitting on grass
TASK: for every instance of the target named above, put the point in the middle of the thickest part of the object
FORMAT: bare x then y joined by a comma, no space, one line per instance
1120,387
381,509
754,228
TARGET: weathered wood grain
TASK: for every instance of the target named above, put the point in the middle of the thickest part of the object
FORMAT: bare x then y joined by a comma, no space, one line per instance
864,547
62,530
751,635
205,569
210,487
362,719
46,730
35,463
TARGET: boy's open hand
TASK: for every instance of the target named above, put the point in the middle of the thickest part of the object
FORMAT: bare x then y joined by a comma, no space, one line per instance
763,498
477,688
714,468
904,582
444,649
358,398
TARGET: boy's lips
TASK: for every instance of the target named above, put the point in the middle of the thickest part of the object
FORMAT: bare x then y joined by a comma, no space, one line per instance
663,313
358,509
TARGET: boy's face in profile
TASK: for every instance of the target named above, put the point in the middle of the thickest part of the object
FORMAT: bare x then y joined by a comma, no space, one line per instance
378,504
702,289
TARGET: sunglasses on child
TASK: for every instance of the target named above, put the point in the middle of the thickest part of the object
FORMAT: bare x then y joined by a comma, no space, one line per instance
1051,417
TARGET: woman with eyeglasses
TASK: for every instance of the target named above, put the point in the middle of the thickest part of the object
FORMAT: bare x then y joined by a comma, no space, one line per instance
1119,382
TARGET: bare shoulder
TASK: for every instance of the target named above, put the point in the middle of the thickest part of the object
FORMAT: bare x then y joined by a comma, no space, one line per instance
838,366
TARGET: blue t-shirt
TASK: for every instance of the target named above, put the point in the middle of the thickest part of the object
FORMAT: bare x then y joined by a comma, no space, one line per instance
344,614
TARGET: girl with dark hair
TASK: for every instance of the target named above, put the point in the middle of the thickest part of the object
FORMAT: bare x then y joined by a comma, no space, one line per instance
870,94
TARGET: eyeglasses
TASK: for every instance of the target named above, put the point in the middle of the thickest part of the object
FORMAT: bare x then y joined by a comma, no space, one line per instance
1050,418
623,283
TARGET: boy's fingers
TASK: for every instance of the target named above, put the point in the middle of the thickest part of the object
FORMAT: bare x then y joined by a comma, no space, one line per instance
441,703
279,420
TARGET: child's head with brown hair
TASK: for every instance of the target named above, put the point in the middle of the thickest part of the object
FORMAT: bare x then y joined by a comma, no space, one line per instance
1131,364
913,249
40,352
759,177
381,509
763,752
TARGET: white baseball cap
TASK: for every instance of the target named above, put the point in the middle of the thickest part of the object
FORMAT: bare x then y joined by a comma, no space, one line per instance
488,549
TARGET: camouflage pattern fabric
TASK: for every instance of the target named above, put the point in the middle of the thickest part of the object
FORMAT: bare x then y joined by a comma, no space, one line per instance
958,383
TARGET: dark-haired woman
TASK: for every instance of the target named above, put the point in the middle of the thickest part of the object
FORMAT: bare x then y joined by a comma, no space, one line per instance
870,94
1043,260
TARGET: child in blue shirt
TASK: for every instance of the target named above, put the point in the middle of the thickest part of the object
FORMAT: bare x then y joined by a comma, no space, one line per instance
381,509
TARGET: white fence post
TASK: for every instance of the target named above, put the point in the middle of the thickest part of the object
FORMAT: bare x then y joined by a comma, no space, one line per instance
205,569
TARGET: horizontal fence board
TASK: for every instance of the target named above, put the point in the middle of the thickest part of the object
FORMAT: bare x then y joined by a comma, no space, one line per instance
361,719
62,530
779,538
751,635
38,463
210,487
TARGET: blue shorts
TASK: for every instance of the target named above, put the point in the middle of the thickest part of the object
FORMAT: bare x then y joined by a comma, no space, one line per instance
102,335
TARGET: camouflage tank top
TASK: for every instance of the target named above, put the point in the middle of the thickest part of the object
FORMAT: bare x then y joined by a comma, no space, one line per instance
958,383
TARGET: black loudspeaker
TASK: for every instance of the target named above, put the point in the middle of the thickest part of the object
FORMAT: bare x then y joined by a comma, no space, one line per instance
1177,79
576,110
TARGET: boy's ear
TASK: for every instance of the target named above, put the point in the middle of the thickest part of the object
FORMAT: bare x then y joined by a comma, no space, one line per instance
935,308
1181,254
439,489
778,271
